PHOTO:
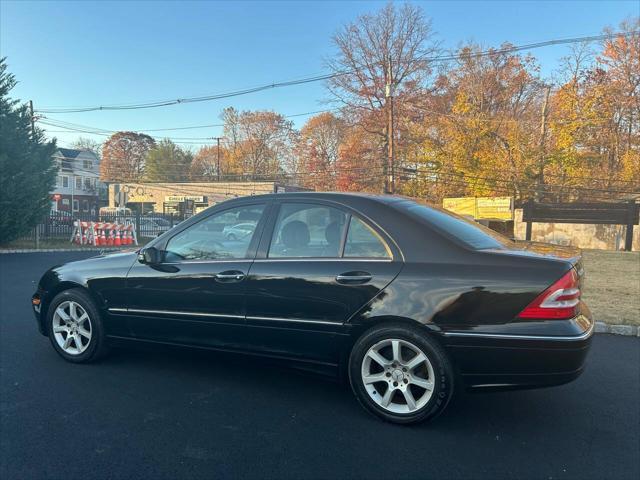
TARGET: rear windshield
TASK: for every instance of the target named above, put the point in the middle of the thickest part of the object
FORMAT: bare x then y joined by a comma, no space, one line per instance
470,233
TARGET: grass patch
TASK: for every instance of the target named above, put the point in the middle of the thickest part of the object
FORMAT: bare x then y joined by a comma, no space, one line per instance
612,286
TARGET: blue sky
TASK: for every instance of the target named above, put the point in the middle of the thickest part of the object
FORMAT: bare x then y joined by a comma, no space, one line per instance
86,53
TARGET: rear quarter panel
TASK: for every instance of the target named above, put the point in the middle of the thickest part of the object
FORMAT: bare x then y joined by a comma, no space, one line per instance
470,291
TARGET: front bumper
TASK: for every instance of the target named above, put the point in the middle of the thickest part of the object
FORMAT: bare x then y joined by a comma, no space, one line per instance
510,361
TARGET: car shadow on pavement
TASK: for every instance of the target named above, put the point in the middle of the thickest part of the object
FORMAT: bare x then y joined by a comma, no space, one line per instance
262,380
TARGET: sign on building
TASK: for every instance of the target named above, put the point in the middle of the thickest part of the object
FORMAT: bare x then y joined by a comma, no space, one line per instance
182,198
481,208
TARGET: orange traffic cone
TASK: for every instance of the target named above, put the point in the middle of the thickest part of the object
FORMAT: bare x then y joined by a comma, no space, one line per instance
78,239
127,235
103,238
84,236
116,241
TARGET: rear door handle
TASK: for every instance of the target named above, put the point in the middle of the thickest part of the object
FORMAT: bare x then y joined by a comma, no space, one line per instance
229,276
353,277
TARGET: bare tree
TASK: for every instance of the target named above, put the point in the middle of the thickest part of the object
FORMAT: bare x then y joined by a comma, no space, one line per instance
84,143
389,47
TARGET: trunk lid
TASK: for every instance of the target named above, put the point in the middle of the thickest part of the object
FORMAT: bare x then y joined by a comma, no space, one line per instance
573,255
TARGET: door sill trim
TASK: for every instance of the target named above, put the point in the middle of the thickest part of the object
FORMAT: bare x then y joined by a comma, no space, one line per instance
174,312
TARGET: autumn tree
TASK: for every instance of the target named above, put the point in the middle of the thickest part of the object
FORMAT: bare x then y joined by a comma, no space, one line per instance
595,121
318,149
204,166
357,166
259,142
167,162
477,132
124,155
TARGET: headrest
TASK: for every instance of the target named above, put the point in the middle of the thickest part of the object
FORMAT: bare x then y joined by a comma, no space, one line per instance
332,233
295,234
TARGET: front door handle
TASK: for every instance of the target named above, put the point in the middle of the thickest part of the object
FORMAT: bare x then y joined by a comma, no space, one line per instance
354,277
229,276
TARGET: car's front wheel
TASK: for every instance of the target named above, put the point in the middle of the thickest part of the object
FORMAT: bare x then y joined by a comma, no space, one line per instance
400,375
75,327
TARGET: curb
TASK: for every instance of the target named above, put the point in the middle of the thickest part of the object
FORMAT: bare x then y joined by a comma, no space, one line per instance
626,330
46,250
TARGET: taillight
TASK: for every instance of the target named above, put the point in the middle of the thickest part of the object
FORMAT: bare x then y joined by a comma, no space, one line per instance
559,301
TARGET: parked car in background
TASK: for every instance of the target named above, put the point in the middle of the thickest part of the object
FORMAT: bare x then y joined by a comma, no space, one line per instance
238,232
409,303
115,211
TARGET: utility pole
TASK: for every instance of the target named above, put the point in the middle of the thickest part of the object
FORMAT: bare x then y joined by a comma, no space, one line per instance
390,178
33,126
217,139
543,146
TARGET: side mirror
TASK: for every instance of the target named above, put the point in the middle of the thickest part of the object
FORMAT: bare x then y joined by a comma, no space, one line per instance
149,256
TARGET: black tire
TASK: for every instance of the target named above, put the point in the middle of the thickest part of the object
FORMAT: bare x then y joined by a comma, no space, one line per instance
443,382
96,347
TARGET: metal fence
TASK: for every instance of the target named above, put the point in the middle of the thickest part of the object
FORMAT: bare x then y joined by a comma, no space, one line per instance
59,226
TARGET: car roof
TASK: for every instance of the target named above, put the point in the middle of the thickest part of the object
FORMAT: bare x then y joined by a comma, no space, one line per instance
335,196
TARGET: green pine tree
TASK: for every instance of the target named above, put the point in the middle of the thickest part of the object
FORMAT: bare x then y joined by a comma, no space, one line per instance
167,162
27,169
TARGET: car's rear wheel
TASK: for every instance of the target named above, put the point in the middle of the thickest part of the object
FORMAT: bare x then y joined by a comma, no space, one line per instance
75,327
400,374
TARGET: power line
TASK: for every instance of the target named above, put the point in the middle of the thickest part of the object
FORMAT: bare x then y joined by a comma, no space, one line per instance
302,81
64,124
502,180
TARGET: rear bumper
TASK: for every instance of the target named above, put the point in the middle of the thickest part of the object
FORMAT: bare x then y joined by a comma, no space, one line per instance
497,361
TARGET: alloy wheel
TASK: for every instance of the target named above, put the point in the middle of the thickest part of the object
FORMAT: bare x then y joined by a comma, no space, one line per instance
72,327
398,376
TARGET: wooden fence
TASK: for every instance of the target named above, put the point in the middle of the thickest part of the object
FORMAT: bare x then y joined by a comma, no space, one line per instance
627,213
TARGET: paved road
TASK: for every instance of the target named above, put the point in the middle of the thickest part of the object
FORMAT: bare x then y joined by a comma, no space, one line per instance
141,414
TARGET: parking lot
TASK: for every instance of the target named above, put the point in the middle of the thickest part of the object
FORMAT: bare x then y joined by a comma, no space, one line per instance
182,414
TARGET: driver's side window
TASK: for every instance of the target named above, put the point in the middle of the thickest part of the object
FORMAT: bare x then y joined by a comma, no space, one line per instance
221,236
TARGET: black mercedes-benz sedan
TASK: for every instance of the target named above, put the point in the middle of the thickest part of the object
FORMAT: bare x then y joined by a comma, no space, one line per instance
406,301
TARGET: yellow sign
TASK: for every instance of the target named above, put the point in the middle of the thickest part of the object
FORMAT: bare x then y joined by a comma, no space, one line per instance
498,208
481,208
465,206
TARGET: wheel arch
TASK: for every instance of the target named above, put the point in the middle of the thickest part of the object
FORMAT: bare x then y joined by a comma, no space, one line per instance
360,329
57,289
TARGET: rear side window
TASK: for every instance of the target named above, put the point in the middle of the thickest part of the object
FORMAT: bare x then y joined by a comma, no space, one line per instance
473,234
307,231
363,241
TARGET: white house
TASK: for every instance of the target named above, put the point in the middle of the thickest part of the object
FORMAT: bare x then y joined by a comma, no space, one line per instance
78,184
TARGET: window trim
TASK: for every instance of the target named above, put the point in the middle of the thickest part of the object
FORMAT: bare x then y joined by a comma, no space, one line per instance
251,250
262,254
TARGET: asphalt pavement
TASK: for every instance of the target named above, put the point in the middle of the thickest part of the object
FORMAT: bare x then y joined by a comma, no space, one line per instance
182,414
